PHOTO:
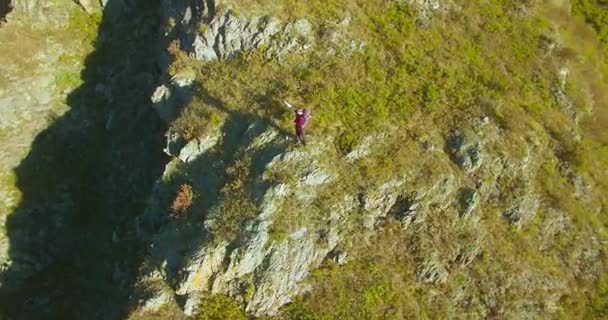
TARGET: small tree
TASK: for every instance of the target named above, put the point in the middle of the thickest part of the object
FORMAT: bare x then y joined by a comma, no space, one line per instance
183,201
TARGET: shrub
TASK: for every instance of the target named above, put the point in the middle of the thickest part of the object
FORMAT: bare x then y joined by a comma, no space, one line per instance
183,201
218,307
180,60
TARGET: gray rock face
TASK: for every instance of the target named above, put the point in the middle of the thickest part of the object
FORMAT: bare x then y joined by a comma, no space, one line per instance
164,103
404,209
524,208
432,270
211,35
174,145
41,12
426,8
263,272
227,35
197,147
468,201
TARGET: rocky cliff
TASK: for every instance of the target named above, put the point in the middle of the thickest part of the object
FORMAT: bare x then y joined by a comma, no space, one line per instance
311,203
455,164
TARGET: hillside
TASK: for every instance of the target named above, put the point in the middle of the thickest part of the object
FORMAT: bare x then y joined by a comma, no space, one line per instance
456,163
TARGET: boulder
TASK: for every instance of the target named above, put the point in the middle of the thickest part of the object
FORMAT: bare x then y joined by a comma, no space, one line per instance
175,143
404,209
164,103
197,147
227,35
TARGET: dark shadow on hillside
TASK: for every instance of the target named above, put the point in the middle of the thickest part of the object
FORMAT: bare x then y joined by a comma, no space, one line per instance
74,243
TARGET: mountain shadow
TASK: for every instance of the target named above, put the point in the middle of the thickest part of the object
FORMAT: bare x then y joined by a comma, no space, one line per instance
74,240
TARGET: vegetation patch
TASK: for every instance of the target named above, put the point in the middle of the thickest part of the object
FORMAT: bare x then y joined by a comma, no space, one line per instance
498,63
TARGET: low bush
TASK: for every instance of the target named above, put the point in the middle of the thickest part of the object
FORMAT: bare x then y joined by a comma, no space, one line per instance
183,201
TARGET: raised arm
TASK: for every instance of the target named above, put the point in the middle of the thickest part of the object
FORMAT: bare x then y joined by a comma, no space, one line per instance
289,106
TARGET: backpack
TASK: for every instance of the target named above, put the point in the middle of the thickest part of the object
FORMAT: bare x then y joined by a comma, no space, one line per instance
302,119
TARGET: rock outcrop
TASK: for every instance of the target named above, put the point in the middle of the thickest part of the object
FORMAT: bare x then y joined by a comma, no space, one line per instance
263,269
228,35
299,206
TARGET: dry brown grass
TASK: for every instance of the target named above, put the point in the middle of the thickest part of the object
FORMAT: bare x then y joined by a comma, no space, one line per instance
183,201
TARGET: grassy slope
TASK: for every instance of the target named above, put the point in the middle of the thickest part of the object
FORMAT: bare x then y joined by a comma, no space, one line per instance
482,55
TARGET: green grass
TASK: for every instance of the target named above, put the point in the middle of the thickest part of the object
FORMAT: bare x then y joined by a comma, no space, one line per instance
220,307
66,80
484,59
84,28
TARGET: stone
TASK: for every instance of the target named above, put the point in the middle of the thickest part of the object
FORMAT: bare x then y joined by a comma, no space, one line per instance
522,210
404,209
227,35
175,143
197,147
298,234
161,94
160,299
302,27
362,150
377,203
455,141
465,154
43,12
164,103
315,178
426,8
339,256
192,304
560,96
184,78
204,51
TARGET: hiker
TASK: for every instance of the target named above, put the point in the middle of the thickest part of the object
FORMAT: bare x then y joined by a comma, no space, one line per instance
302,117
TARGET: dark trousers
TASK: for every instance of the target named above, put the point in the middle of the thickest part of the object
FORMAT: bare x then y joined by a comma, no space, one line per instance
300,134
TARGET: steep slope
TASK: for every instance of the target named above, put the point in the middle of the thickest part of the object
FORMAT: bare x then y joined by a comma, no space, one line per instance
456,164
